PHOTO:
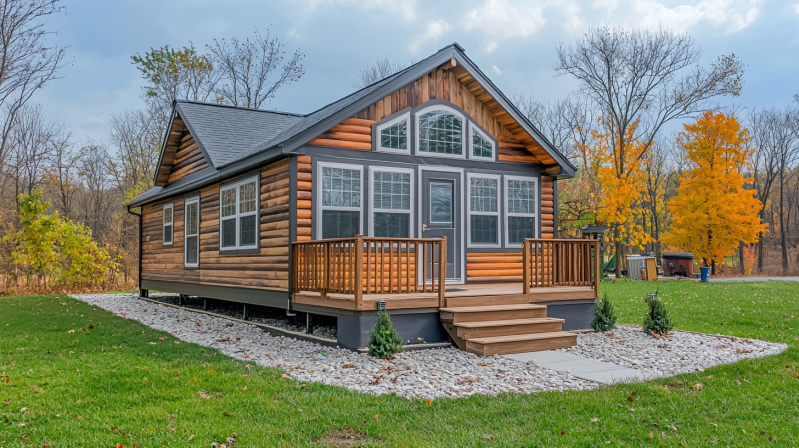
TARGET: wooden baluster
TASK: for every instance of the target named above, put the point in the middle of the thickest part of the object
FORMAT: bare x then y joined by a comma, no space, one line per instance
358,274
526,244
408,267
442,272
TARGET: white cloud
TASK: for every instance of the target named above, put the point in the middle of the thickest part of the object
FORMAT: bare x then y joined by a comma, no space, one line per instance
433,31
497,70
734,15
505,19
796,8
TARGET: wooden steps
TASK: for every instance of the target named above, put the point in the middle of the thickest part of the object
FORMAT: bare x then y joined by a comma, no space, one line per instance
502,329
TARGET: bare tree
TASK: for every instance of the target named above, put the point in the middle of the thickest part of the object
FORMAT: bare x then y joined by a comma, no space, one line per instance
27,62
641,80
62,174
136,140
567,123
253,70
381,69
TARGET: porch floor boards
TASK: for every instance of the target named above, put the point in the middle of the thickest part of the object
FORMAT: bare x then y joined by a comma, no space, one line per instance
456,295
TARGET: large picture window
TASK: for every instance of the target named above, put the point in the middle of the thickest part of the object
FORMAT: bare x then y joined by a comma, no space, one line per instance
169,223
391,203
522,209
393,135
483,211
440,132
239,215
192,232
341,200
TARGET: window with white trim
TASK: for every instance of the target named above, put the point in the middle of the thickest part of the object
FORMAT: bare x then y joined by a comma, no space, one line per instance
483,211
439,132
169,223
192,232
482,147
341,200
391,203
393,134
522,209
239,214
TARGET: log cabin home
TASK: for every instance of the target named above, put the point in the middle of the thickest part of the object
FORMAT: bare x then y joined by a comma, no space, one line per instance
426,193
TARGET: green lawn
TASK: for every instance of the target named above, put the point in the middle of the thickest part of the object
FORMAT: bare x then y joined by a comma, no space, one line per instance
76,376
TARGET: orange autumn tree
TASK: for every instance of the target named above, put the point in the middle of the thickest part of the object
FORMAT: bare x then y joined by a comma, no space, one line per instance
713,211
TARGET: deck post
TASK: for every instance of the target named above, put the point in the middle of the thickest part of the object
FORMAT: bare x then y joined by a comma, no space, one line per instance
597,268
442,272
358,273
526,267
326,273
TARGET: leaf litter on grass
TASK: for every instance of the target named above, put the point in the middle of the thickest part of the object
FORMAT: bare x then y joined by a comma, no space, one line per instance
347,437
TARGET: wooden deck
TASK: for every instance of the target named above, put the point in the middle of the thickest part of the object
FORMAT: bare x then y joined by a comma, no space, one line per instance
456,295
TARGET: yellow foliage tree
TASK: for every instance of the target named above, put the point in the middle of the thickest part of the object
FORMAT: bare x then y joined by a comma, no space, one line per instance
713,211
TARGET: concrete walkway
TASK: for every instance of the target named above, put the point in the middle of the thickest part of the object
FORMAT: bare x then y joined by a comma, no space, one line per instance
754,279
584,368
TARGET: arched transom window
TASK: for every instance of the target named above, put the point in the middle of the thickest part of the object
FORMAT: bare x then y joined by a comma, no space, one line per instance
441,132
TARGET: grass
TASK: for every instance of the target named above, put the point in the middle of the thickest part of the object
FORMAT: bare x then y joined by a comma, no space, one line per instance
88,378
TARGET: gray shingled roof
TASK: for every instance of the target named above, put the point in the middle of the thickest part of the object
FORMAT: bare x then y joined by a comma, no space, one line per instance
228,134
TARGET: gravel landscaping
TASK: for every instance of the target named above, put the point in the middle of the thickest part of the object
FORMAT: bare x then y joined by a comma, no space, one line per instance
679,352
434,373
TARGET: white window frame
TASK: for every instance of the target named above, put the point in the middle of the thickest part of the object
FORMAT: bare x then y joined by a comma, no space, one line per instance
320,166
474,129
186,203
373,210
418,132
469,212
238,215
408,138
171,207
508,214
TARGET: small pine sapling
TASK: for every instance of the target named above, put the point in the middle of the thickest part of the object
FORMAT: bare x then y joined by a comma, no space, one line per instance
657,321
604,315
384,341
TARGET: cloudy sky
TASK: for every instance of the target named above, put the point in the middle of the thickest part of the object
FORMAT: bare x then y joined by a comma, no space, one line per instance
513,41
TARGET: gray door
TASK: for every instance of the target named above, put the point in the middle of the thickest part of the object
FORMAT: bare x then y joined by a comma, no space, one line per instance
441,214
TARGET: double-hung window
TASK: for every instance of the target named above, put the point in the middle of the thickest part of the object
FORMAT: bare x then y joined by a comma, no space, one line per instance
439,132
169,223
522,209
192,232
341,200
393,134
483,210
239,215
482,147
391,203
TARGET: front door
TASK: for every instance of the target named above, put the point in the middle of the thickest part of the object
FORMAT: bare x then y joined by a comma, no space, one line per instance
441,215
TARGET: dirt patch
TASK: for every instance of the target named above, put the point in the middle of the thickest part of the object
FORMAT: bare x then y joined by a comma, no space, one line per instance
348,437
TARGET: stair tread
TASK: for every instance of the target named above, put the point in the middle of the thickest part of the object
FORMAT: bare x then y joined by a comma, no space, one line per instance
501,323
520,337
480,309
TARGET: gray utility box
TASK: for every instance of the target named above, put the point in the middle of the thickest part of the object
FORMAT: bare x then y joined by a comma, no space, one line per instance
635,263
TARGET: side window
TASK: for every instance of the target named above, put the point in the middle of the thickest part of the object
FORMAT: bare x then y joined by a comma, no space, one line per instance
341,201
239,215
522,209
391,203
483,211
482,146
192,232
392,136
168,224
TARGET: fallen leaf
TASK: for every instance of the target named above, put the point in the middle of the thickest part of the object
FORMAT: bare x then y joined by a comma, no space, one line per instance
204,395
191,437
650,436
24,410
429,402
71,331
488,436
697,386
714,424
285,376
594,420
21,425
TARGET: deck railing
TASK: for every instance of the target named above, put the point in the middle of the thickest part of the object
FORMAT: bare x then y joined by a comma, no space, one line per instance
560,262
369,265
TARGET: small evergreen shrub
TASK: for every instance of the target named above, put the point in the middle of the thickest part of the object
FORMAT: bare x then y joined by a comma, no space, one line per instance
384,341
657,320
604,315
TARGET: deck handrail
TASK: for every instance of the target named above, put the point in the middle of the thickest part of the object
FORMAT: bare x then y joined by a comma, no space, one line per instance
560,262
370,265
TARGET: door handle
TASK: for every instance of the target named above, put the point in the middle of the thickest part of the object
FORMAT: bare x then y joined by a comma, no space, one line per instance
424,227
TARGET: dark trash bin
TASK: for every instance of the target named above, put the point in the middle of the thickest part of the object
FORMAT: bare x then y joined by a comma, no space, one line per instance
678,265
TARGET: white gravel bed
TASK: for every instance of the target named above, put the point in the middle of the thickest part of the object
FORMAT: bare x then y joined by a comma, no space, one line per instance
679,352
419,374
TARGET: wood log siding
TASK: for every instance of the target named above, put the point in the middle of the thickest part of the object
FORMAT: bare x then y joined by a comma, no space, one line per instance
453,84
304,195
494,267
266,269
188,159
547,207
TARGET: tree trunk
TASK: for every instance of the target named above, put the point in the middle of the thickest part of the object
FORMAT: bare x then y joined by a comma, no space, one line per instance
616,235
713,267
741,261
783,244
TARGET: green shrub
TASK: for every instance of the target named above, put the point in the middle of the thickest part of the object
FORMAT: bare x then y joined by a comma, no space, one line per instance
657,321
384,341
604,315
